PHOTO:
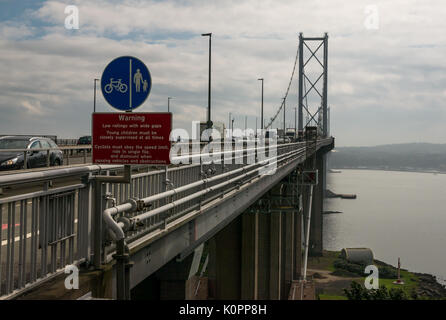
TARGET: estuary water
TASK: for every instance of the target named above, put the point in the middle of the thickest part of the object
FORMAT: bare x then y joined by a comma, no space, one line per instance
396,214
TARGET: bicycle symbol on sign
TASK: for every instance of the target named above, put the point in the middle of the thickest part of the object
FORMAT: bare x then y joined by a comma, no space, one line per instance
117,85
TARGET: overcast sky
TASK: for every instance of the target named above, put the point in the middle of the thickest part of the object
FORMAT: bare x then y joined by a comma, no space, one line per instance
387,81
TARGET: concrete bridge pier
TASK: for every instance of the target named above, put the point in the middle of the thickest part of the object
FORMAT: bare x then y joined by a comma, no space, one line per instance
224,268
258,255
317,209
317,162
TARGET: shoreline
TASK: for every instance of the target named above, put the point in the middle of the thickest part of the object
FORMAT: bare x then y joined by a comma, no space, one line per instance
331,281
388,170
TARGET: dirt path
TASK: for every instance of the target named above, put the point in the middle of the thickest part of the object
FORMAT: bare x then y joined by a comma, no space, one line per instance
327,276
329,284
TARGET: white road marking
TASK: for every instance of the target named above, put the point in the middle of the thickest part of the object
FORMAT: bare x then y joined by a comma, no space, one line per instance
28,235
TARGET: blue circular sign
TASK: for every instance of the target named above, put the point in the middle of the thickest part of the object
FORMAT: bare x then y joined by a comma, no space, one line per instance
126,83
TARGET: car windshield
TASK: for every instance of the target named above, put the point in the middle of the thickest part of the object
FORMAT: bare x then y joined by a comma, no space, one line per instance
52,143
13,143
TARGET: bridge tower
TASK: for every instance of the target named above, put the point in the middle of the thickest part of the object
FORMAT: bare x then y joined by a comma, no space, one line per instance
313,80
312,105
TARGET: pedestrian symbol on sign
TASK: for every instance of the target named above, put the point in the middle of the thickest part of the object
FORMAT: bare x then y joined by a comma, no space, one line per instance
137,79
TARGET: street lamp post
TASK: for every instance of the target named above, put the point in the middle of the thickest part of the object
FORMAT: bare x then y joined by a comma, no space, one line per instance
284,125
209,123
168,103
261,120
295,123
94,99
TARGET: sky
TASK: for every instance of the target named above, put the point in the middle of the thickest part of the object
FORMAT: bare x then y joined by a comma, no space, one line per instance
386,63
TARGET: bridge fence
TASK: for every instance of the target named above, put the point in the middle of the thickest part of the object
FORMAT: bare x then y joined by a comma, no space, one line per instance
45,230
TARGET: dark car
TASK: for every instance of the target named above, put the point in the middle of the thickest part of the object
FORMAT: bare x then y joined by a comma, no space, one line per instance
84,140
10,160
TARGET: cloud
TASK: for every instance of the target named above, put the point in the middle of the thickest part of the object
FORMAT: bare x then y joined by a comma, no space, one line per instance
397,70
32,108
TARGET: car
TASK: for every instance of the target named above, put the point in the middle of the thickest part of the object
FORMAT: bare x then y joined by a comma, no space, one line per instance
84,140
11,160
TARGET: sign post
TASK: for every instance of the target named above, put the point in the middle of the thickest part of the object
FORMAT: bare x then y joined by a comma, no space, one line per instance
125,138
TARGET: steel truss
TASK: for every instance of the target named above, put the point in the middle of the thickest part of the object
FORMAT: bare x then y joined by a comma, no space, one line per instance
304,78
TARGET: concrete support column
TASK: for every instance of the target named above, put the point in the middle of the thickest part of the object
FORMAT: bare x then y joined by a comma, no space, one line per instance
225,262
250,255
298,238
288,236
316,211
264,252
275,280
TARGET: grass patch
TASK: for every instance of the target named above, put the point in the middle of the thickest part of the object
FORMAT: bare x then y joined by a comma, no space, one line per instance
325,262
331,297
410,282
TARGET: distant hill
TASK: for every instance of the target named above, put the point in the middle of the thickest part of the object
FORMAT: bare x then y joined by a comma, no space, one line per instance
408,156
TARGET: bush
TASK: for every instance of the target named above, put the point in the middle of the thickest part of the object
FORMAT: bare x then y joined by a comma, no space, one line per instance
358,292
385,272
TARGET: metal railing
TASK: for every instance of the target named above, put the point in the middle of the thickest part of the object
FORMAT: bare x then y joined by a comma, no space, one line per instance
44,230
71,151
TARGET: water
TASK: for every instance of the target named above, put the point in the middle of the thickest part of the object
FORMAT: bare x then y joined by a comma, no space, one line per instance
396,214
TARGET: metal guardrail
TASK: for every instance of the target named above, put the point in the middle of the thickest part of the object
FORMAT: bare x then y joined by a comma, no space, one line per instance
67,152
43,231
81,151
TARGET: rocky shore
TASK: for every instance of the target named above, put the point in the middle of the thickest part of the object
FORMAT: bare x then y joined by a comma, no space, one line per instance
428,286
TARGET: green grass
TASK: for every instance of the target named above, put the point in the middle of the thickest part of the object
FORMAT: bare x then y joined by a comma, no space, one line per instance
330,297
325,262
410,282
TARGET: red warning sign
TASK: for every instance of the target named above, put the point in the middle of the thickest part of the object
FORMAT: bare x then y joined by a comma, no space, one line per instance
131,138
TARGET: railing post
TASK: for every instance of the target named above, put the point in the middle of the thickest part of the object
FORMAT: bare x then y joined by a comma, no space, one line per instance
48,157
121,259
97,224
25,160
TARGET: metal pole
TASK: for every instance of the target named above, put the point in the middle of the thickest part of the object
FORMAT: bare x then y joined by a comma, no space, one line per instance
209,88
120,269
261,120
307,234
295,123
324,106
229,124
209,126
94,100
256,127
97,224
301,72
284,124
